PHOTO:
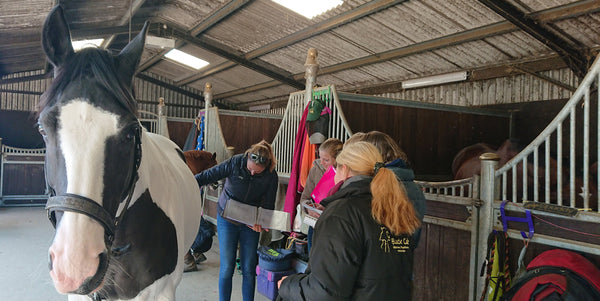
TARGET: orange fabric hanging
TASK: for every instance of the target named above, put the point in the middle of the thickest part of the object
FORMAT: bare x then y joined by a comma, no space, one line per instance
308,157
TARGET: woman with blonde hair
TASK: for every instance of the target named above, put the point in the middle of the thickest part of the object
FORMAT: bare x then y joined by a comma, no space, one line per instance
396,160
250,178
363,243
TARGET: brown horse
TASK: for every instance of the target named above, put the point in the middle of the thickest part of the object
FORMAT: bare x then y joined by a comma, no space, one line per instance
467,164
198,160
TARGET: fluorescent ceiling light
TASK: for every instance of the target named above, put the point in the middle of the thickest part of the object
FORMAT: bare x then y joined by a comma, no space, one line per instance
78,45
158,42
309,8
435,80
186,59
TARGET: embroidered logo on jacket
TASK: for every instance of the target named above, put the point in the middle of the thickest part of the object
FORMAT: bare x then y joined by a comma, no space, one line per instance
390,243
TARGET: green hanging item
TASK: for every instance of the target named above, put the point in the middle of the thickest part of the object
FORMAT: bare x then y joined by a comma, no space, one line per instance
315,107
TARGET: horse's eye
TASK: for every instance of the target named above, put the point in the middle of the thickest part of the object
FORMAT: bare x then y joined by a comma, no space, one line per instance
131,133
42,131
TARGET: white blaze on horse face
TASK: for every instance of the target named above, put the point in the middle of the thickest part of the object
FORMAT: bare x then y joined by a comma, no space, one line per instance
83,131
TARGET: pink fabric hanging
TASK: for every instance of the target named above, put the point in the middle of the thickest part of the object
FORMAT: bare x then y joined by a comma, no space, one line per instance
292,196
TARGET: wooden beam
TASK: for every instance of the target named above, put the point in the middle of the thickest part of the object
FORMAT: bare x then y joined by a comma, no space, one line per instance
311,31
125,19
170,87
232,55
207,23
258,87
554,62
223,13
546,78
329,24
578,62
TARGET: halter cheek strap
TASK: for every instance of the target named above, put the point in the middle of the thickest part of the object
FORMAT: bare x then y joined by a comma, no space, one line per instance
83,205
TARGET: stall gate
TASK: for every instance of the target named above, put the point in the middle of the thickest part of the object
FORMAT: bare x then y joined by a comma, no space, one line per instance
445,264
22,180
561,196
283,143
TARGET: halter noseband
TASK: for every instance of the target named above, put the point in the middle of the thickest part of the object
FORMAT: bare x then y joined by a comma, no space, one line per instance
80,204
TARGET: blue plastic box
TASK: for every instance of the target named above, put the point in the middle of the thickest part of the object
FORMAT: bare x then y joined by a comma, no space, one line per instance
266,281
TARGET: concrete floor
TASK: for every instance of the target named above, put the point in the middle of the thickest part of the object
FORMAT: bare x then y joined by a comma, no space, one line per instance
26,234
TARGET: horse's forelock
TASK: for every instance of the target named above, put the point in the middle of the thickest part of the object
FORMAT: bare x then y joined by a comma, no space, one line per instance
93,63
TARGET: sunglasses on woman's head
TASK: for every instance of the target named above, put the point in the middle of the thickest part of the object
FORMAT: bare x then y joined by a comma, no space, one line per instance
257,158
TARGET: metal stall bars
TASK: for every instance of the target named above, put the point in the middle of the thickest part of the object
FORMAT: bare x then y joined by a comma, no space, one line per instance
537,187
283,143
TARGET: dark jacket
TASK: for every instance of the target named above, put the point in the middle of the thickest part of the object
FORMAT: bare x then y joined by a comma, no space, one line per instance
353,257
258,190
407,177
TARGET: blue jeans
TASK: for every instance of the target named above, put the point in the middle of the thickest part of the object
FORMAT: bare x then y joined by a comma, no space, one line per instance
229,235
204,237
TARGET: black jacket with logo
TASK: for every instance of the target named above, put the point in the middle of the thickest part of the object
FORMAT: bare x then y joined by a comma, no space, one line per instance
353,257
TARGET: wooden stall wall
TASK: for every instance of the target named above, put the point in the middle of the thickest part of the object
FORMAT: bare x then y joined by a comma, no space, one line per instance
243,131
179,130
441,265
239,131
430,138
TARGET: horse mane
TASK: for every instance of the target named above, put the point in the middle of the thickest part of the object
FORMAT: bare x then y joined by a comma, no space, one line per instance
90,62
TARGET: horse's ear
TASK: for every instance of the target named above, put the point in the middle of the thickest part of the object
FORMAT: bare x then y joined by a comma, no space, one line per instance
56,37
214,156
129,58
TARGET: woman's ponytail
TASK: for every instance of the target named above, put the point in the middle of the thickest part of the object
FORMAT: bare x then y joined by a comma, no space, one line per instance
390,205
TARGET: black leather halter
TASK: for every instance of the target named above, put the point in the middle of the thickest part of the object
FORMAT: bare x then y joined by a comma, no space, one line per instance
80,204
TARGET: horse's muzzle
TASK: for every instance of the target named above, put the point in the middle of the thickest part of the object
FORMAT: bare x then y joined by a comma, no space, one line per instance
92,283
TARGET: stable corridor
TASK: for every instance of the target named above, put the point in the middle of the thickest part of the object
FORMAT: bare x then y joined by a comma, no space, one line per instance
26,234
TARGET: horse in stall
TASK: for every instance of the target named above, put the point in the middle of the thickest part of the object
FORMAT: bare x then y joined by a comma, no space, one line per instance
125,205
199,160
466,164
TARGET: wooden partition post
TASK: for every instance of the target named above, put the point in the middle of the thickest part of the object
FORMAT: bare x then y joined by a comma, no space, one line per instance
312,68
488,192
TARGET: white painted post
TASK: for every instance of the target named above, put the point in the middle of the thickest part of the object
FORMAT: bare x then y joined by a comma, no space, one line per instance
207,105
162,129
488,192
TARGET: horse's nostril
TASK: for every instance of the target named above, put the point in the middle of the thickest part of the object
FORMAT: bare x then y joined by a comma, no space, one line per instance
49,261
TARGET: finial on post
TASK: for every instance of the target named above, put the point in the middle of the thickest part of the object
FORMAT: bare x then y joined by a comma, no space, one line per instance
208,95
161,106
311,58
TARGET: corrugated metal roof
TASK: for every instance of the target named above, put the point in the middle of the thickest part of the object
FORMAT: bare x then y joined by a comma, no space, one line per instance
257,49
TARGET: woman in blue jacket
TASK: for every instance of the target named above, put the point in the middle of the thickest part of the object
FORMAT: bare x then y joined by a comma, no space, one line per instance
250,178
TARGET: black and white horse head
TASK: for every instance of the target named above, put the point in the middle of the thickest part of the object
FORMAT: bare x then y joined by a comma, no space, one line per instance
124,203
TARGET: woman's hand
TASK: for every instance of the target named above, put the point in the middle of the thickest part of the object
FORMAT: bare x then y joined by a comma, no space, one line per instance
279,282
317,206
257,228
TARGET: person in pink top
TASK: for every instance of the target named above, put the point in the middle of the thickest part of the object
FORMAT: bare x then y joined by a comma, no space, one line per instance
328,151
